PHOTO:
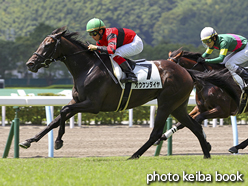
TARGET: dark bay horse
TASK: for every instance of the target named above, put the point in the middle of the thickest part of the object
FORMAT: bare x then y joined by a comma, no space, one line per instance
94,90
212,102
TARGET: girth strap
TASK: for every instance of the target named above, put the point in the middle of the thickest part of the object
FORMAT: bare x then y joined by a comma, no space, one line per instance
125,96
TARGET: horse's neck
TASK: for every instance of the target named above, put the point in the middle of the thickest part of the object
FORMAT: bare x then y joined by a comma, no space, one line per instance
191,64
78,59
215,66
80,64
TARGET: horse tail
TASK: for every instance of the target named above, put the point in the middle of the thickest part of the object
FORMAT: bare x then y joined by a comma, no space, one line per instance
218,78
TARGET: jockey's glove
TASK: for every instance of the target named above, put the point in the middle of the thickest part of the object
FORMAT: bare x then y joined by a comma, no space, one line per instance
201,60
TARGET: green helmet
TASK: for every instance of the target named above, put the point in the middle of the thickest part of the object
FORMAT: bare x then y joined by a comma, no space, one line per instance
94,24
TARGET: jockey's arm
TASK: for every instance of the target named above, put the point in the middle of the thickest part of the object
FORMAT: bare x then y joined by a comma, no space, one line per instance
111,47
218,59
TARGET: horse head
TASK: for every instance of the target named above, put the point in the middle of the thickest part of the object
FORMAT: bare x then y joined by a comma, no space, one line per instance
188,60
46,53
184,58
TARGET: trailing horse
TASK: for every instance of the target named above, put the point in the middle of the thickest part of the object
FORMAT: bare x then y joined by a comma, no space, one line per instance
212,102
95,91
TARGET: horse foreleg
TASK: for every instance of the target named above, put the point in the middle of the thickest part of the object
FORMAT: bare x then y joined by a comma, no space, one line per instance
67,112
59,141
194,112
197,115
242,145
55,123
216,112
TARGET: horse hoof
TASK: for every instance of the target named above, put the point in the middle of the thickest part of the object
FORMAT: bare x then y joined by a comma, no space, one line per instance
207,156
209,146
58,144
134,157
25,144
233,150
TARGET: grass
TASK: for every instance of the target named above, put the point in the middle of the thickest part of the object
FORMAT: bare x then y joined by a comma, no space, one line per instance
101,171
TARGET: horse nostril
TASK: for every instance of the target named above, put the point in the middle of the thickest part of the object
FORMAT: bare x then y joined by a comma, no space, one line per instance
30,64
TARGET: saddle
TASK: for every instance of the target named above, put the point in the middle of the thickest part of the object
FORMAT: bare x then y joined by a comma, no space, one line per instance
132,63
145,71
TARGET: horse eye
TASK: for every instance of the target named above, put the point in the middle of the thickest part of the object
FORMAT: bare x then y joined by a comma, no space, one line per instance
47,45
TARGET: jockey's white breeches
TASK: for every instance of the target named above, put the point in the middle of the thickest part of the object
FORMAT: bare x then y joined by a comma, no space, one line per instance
130,49
234,59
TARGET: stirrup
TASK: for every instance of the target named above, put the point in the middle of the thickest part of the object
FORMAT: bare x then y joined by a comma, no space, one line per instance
129,80
243,100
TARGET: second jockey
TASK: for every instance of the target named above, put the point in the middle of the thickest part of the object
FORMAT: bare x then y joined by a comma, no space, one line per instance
233,43
238,47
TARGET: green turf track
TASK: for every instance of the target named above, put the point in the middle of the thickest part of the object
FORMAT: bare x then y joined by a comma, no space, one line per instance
101,171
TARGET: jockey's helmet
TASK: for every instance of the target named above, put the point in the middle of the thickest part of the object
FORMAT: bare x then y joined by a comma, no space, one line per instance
208,33
94,24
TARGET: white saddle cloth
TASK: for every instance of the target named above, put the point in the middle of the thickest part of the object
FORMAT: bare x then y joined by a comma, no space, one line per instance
146,72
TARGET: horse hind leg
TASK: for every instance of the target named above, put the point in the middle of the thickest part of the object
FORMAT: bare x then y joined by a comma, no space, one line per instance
182,116
155,134
242,145
169,133
177,127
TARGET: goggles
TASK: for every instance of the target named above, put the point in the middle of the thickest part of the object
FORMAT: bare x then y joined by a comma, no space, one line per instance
207,40
93,33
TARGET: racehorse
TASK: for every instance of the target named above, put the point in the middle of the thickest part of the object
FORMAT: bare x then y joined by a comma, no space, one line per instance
95,91
212,102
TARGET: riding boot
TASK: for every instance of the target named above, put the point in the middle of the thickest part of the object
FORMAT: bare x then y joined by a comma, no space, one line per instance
242,72
131,77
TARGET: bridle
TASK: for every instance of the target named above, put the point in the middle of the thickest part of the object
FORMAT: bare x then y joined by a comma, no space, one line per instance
48,60
177,61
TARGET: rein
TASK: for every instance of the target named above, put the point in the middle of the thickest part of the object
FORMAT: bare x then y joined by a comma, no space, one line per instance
50,59
177,61
47,61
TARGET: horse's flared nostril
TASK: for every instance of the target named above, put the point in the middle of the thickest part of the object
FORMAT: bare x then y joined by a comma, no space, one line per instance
30,64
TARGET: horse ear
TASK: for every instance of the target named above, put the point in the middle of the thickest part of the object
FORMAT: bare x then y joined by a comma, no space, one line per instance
169,54
181,53
58,35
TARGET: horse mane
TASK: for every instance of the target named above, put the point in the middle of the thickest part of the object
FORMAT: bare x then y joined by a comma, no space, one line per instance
190,55
217,77
194,56
71,36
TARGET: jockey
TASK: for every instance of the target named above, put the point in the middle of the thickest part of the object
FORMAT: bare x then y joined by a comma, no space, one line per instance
233,43
120,43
